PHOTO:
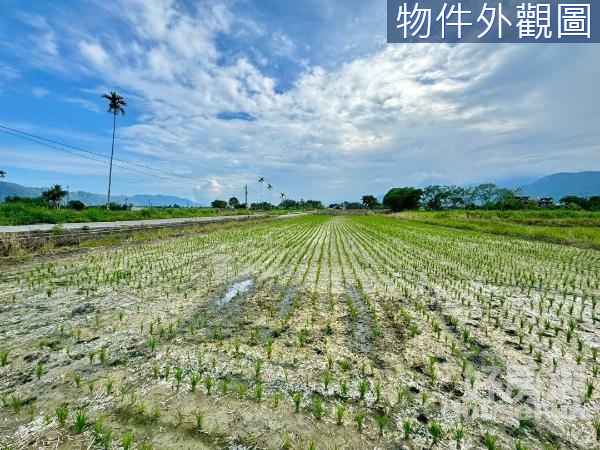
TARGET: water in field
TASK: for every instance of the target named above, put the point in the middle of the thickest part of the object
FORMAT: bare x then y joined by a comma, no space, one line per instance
235,290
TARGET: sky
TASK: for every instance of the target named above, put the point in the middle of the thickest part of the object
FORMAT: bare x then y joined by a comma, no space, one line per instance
306,94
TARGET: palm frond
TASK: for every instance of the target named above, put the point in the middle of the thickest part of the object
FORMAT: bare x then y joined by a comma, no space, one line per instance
115,103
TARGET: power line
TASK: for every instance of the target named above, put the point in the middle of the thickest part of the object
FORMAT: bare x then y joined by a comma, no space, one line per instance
62,144
58,146
49,144
82,156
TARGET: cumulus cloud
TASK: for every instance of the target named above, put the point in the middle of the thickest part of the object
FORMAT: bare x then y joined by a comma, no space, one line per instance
386,115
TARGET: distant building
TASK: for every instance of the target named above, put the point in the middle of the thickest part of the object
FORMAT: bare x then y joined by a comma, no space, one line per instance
545,202
518,194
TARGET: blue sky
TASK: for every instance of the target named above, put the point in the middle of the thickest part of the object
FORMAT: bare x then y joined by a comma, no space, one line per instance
304,93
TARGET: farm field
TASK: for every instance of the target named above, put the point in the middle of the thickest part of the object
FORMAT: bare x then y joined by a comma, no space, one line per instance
348,332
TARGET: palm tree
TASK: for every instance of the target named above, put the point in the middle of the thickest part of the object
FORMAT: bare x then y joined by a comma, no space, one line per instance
261,180
2,176
270,188
115,107
54,195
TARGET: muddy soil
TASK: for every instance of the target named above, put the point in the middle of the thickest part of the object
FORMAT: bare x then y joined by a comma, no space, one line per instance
332,332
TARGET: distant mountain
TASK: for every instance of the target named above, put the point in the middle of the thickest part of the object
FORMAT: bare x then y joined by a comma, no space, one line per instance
88,198
13,189
558,185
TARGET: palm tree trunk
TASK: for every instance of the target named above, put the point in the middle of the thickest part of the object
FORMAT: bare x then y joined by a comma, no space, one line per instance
112,151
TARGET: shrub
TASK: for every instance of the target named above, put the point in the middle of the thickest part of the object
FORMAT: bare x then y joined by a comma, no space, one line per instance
76,205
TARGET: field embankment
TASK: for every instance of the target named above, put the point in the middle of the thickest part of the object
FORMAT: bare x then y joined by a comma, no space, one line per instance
23,241
579,228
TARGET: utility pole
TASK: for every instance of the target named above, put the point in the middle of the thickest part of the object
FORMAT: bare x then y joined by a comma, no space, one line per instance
246,196
67,195
2,175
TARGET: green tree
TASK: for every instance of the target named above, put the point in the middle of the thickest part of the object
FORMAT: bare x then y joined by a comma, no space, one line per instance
219,204
440,197
77,205
505,199
594,203
432,197
261,206
352,205
115,107
485,193
457,197
54,195
401,199
369,201
289,204
234,202
572,200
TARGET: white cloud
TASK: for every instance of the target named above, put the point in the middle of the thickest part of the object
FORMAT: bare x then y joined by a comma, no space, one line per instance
44,38
94,53
39,92
86,104
409,113
7,72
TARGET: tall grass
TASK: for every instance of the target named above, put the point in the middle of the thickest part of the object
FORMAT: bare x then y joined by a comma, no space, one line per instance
27,214
579,228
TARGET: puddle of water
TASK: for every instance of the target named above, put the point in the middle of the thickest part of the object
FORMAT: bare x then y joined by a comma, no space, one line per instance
234,290
286,302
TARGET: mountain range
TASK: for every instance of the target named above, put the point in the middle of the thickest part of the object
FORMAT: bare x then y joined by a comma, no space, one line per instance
559,185
88,198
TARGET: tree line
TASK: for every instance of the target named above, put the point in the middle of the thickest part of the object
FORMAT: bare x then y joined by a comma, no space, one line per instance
440,197
234,203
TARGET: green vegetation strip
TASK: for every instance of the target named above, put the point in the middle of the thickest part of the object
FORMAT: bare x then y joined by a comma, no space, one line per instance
576,228
26,214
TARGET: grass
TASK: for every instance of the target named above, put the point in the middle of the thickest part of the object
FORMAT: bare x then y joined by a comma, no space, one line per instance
80,421
26,214
62,412
14,250
578,228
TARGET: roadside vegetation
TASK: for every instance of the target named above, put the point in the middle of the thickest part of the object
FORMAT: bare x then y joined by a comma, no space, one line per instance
21,211
26,212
